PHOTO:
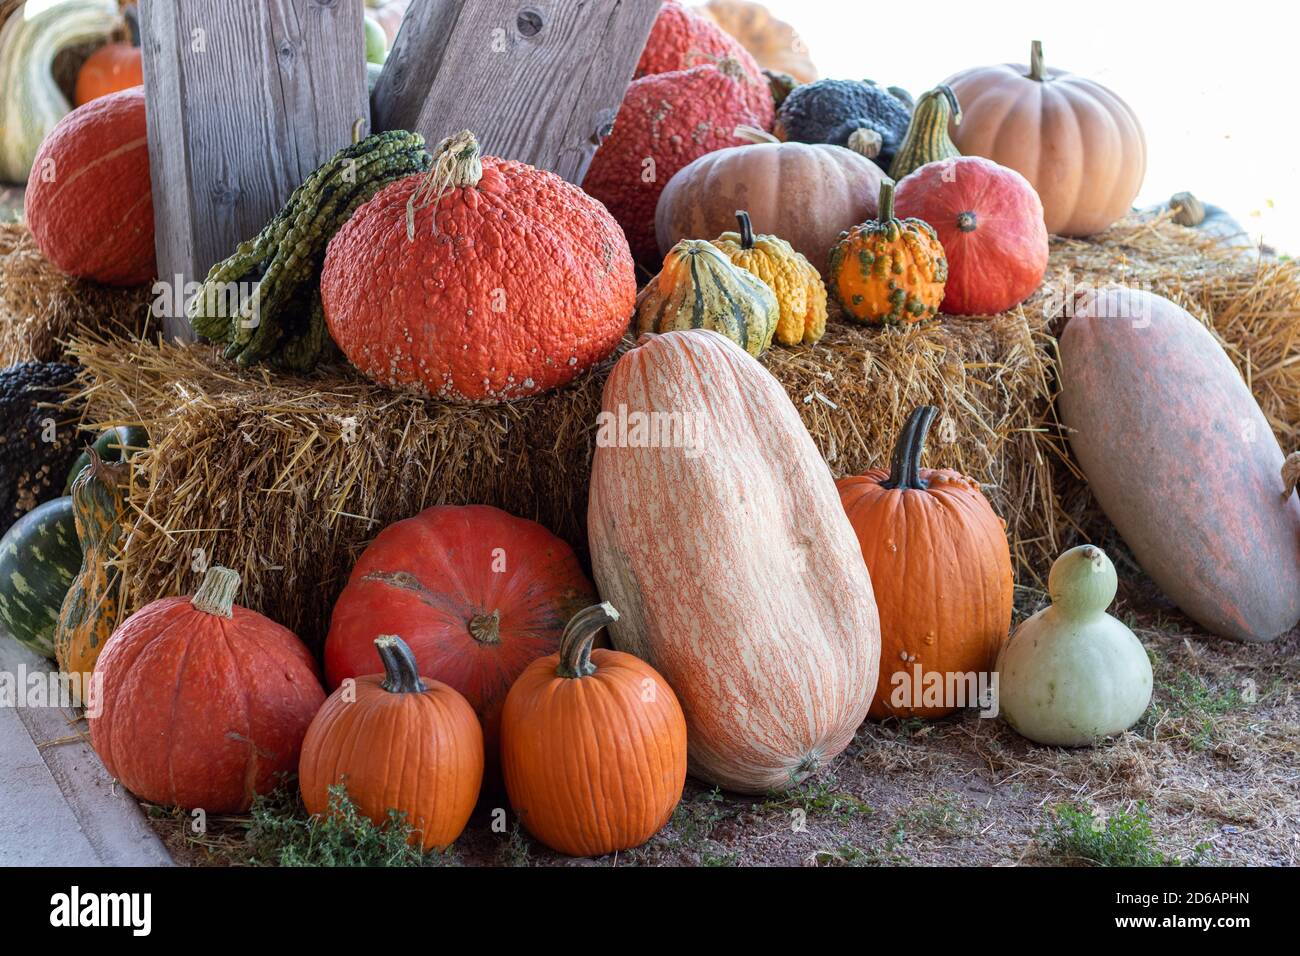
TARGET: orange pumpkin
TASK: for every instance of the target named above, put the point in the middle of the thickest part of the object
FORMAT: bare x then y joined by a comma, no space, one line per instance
940,566
593,745
397,741
113,67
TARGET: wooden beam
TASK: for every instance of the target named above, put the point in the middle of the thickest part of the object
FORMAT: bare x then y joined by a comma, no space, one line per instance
535,81
244,99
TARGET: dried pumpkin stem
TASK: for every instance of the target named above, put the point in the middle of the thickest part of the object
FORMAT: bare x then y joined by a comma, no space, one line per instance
752,134
485,628
457,164
579,634
905,465
216,593
1290,474
1036,60
886,200
866,142
401,673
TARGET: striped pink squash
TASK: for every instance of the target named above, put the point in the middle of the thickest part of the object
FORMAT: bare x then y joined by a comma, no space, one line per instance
716,531
88,202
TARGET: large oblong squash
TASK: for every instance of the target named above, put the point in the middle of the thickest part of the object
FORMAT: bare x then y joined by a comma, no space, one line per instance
1182,461
716,530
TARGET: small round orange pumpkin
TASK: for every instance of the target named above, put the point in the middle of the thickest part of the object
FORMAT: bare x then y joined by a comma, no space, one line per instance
397,741
593,745
940,566
113,67
888,271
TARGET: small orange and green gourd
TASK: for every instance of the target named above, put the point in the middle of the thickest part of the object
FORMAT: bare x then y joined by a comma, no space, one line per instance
927,137
699,288
92,607
800,294
888,271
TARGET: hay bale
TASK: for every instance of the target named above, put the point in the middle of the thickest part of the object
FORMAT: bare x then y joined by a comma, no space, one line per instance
40,306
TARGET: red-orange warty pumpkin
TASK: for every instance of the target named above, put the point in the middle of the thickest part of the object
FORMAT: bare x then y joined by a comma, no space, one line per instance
488,280
990,222
203,702
397,741
593,745
940,566
666,120
88,202
477,593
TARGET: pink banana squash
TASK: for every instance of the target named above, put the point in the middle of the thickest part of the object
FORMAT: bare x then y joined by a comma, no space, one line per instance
1182,461
716,531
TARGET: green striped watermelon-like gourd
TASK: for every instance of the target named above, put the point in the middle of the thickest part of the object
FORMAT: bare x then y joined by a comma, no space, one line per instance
699,288
39,557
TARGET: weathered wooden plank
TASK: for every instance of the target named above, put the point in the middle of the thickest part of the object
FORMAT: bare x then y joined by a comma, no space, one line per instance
535,81
245,98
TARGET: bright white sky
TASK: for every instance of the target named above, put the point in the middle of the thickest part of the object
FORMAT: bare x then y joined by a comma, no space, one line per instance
1214,87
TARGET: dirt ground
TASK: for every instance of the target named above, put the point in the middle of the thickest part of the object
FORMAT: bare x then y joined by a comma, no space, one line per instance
1213,762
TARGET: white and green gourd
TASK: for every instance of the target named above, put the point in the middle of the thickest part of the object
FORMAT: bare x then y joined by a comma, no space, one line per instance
1072,674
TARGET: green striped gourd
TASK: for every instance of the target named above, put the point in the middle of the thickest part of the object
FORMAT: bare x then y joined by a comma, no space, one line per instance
39,557
699,288
282,263
927,135
92,606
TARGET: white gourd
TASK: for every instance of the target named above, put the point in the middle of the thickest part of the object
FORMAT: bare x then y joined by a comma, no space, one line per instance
1073,674
30,101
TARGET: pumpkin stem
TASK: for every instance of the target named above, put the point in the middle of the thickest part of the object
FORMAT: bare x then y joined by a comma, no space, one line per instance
456,165
866,142
357,127
401,674
216,593
579,633
886,200
905,466
1188,210
752,134
1036,60
1290,474
746,229
485,628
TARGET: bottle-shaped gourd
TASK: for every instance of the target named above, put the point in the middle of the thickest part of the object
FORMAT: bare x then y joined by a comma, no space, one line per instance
1073,674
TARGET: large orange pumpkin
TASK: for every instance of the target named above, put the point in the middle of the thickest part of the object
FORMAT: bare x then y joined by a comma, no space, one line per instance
1079,145
1183,462
490,280
89,203
397,742
477,593
940,566
202,703
719,536
593,745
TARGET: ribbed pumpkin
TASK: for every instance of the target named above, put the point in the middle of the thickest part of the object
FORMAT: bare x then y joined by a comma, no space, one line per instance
397,741
736,573
89,203
1078,144
478,594
666,120
699,288
888,271
990,222
92,608
806,194
800,294
593,745
203,703
927,135
504,281
940,567
1182,461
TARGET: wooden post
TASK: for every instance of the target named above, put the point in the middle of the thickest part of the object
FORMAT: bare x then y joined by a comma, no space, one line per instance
535,81
244,98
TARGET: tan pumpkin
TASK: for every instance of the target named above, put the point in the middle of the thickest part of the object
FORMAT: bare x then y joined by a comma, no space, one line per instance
773,42
803,192
738,574
1079,145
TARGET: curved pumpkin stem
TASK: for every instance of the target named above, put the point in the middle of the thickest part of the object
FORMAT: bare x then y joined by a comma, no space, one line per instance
579,634
746,229
401,673
1036,60
216,593
456,164
905,466
886,202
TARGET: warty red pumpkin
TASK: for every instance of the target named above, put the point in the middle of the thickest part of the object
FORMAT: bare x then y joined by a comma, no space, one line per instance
1183,462
940,567
202,703
489,280
736,572
89,201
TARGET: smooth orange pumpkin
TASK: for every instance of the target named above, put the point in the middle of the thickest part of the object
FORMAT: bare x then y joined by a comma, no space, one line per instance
941,569
729,556
397,742
593,745
113,67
